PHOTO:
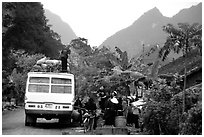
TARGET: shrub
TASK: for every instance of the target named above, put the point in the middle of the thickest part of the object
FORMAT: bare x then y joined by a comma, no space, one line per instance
162,113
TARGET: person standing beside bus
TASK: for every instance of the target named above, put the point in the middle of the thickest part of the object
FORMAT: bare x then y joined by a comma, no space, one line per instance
91,107
78,106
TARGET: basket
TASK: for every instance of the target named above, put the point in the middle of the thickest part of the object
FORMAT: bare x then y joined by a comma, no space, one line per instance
75,114
120,121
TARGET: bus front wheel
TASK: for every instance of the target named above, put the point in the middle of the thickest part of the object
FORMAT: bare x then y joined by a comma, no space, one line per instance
30,120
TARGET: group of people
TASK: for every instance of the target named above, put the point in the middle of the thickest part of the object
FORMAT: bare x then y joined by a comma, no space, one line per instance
111,106
82,107
114,105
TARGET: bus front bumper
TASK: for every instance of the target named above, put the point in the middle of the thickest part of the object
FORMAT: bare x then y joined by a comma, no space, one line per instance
50,113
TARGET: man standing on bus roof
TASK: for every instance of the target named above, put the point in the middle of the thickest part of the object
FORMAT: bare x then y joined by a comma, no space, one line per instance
63,57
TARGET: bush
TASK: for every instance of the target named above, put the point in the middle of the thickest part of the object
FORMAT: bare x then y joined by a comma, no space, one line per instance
163,111
24,64
158,108
192,124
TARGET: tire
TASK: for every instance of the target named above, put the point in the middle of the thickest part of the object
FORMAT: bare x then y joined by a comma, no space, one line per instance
26,122
27,117
30,120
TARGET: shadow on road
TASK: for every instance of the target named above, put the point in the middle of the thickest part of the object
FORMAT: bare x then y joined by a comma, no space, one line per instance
53,124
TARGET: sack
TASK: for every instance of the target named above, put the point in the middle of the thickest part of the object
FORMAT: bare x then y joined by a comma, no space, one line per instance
53,62
41,61
75,114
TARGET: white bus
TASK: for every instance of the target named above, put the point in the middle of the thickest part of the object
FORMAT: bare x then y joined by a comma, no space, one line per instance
49,95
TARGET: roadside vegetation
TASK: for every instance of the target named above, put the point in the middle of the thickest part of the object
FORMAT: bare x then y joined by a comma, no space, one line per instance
26,38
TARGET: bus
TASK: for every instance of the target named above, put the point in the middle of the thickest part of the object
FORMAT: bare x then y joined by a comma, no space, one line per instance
49,95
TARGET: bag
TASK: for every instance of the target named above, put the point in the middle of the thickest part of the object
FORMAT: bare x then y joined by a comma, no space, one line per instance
75,114
42,60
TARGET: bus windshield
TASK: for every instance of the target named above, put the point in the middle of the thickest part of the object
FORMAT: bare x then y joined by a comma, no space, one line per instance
61,89
39,80
38,88
42,84
61,81
39,84
61,85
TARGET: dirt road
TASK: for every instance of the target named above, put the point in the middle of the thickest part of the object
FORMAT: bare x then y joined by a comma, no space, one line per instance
13,124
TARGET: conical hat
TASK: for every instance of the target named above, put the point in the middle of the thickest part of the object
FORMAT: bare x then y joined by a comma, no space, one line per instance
114,100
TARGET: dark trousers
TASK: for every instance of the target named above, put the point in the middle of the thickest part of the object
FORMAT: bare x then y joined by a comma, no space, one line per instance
109,117
133,119
95,122
136,119
80,116
64,64
130,118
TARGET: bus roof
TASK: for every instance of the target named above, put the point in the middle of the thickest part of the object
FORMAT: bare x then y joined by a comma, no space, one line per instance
49,73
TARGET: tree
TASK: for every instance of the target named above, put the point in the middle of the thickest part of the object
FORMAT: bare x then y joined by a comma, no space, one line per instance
88,65
25,27
81,45
184,38
24,64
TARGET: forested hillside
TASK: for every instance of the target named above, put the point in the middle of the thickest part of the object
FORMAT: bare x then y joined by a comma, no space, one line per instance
169,109
25,27
26,37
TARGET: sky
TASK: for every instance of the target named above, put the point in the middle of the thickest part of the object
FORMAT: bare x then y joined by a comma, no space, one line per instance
96,20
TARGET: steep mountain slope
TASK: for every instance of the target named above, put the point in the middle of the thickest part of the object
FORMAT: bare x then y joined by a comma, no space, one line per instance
142,31
147,30
59,26
190,15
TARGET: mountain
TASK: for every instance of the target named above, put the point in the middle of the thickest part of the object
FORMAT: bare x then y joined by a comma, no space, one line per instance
59,26
190,15
147,30
131,38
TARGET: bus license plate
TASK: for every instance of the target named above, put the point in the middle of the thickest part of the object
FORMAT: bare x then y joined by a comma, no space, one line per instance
48,105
